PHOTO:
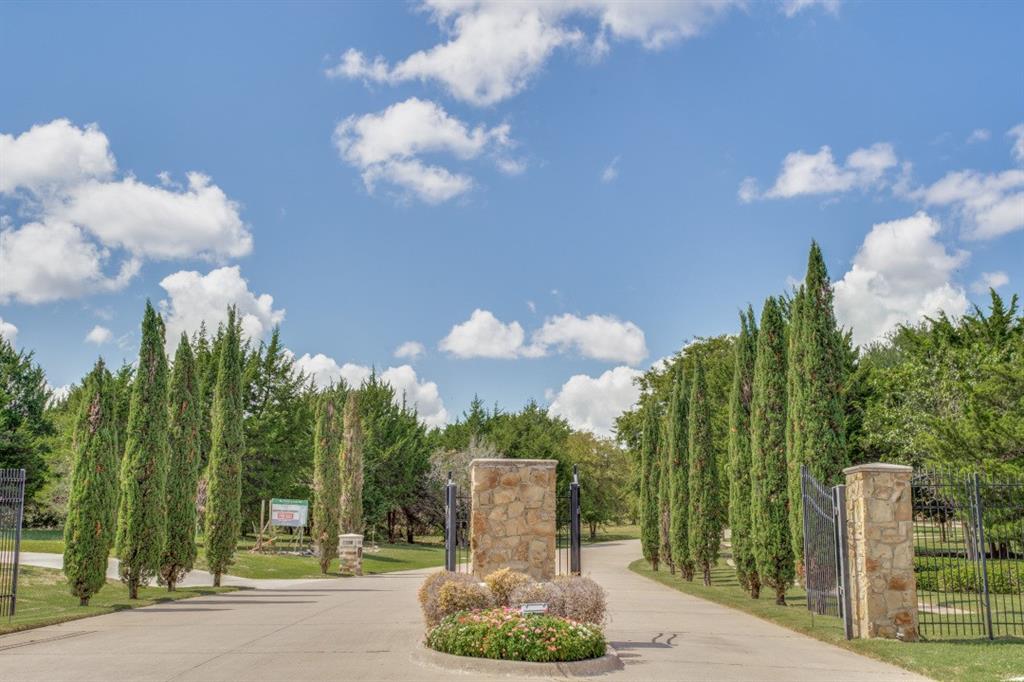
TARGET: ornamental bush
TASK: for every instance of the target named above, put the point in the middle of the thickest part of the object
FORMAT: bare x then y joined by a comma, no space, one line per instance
505,634
949,575
455,596
574,597
430,593
503,581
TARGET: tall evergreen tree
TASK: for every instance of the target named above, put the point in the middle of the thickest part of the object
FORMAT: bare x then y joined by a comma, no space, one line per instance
665,500
768,480
739,454
327,474
705,509
89,527
223,507
141,523
183,467
678,433
794,417
351,520
649,521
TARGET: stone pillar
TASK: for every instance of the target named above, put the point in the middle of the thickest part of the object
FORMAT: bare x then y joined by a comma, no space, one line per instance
883,593
513,516
350,554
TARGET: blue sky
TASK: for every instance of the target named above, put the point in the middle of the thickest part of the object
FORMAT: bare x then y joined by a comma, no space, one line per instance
601,182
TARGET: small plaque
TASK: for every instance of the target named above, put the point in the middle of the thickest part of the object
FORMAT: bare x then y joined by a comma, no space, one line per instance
533,608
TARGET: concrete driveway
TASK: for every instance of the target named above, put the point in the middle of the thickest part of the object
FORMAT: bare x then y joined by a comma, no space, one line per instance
368,628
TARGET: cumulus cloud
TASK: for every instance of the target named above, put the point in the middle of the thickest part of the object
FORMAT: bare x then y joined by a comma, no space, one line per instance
410,350
496,48
900,274
99,335
8,331
485,336
194,298
1017,133
793,7
592,404
386,148
423,395
818,173
990,280
989,204
51,156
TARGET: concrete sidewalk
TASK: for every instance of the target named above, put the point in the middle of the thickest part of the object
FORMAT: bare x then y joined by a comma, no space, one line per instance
368,628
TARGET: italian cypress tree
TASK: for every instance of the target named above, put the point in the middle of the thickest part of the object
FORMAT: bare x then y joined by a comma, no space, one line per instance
327,475
665,500
223,506
89,527
649,522
739,454
768,481
183,467
705,512
794,422
352,468
678,433
141,524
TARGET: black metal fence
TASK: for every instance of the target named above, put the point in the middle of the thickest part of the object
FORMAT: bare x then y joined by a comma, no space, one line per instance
12,507
457,508
826,569
568,540
969,554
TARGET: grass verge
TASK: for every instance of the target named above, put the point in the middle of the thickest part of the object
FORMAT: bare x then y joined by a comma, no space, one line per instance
975,660
44,599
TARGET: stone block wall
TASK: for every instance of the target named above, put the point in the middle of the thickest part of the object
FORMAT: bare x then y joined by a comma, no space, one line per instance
881,551
513,516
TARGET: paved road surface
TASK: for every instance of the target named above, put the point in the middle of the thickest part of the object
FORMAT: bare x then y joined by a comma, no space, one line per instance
367,629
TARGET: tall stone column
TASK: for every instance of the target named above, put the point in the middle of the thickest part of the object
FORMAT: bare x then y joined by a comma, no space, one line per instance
513,516
881,550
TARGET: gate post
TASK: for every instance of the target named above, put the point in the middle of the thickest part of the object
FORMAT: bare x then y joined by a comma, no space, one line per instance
574,523
843,558
451,532
881,551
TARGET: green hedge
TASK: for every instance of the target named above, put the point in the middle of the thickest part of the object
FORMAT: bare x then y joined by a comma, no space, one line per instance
504,634
957,575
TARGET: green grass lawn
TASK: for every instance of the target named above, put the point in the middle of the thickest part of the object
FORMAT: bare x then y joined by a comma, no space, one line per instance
43,599
51,541
968,660
611,533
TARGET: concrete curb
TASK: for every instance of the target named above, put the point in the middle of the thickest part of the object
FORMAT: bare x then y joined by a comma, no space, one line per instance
610,662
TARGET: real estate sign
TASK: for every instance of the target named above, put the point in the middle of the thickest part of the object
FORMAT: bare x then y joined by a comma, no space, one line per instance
285,512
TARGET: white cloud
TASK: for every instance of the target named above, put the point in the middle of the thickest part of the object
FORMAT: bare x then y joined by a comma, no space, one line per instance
611,171
99,335
410,350
58,393
8,331
602,337
818,173
592,404
990,280
194,298
990,205
423,395
485,336
496,48
386,147
900,274
979,135
50,156
1017,133
793,7
43,262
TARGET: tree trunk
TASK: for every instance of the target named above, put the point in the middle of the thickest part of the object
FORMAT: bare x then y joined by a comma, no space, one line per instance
410,522
780,596
170,586
83,601
391,527
133,588
593,531
216,579
707,574
755,588
654,564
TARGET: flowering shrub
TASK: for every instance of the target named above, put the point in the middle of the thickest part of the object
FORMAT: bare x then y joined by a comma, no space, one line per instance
573,597
503,581
430,595
463,596
503,633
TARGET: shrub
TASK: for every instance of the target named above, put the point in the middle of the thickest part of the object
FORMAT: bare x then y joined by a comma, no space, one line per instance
547,593
582,599
950,575
430,593
504,634
456,596
503,581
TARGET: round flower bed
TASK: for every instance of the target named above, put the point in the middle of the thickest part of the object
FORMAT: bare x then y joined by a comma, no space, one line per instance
505,634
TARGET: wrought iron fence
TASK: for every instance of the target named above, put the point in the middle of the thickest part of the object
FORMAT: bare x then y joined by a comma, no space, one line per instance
568,540
969,554
456,529
826,569
12,506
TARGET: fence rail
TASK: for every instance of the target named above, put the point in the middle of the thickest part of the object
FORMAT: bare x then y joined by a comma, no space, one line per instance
826,569
12,507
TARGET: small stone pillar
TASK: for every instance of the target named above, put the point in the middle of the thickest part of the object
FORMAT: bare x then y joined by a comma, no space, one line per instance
350,554
513,517
883,592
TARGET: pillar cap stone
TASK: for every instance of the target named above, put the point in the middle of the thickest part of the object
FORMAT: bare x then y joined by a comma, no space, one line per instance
511,461
879,467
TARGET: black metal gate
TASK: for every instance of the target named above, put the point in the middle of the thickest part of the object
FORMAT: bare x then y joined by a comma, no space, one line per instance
568,540
457,506
826,568
968,554
12,506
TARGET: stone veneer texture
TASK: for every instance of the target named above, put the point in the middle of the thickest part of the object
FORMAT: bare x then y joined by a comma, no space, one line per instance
513,516
881,541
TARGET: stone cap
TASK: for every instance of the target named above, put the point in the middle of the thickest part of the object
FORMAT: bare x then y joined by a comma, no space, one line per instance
507,461
879,467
